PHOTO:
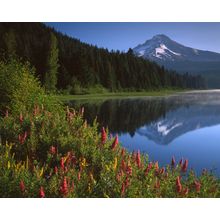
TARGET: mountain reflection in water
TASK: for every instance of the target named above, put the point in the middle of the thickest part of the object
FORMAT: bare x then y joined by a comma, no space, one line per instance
150,124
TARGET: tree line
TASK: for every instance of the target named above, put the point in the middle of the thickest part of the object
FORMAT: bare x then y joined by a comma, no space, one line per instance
65,63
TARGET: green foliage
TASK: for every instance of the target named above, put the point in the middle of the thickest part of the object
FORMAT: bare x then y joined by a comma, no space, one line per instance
88,64
52,70
62,156
10,43
20,90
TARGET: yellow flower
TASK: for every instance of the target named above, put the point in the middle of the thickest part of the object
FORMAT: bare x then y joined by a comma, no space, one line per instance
41,171
115,163
83,162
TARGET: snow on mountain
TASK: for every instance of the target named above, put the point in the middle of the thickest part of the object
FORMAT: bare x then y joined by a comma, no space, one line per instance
162,48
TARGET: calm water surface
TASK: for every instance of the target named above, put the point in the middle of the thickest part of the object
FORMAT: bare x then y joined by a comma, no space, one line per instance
186,125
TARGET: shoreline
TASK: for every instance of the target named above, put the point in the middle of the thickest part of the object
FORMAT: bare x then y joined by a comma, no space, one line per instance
118,95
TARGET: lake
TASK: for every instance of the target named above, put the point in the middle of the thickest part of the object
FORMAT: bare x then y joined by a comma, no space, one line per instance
186,126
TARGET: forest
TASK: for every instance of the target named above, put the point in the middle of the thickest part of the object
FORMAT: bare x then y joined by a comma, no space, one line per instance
63,63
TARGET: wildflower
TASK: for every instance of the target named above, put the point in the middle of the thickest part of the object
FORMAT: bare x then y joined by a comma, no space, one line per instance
103,135
156,166
21,119
115,143
122,152
148,168
185,166
22,137
64,187
138,159
129,170
62,163
55,170
52,150
162,170
157,184
41,193
115,163
83,162
79,176
122,189
127,182
181,162
173,161
186,191
178,185
123,165
197,185
22,186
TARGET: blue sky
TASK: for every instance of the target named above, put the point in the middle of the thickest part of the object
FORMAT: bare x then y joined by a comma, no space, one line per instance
121,36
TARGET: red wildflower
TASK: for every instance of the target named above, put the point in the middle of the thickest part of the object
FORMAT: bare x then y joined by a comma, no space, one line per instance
123,165
156,166
148,168
122,189
41,193
134,155
197,185
173,161
64,187
186,191
127,182
52,150
79,176
138,159
22,137
162,170
21,119
62,163
22,186
157,184
115,143
185,166
178,185
55,170
122,152
129,170
181,162
104,135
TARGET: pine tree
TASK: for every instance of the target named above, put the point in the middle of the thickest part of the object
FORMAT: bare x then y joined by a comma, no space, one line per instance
10,44
52,65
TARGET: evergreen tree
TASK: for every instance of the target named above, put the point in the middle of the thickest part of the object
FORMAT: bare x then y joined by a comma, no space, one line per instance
52,65
10,44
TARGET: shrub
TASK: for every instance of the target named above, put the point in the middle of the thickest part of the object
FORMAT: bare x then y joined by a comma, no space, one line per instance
53,155
20,90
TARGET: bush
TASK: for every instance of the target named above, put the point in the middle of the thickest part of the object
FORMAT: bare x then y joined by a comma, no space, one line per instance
59,155
20,90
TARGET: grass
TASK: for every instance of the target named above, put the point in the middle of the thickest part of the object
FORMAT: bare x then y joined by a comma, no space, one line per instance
115,95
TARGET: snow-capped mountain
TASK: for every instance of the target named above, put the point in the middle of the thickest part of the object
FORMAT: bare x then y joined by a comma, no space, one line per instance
176,56
162,48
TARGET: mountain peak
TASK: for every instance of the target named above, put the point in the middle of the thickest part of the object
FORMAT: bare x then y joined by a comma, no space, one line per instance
160,36
163,49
